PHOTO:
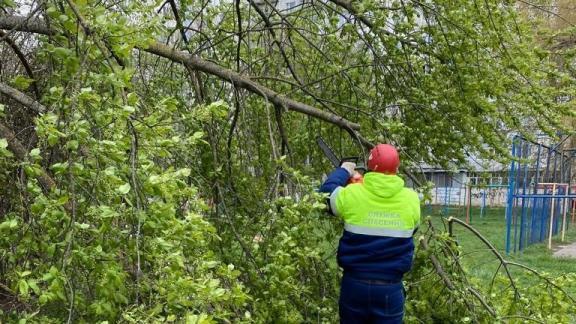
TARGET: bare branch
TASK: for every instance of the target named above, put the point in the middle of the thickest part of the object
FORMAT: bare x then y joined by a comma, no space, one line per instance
22,98
25,24
245,83
22,59
21,154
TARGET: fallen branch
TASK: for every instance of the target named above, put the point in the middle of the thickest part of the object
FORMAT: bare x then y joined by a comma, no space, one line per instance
35,25
237,80
437,265
243,82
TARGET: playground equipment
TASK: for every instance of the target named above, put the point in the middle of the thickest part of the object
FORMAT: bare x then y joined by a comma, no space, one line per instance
463,198
449,200
541,194
488,196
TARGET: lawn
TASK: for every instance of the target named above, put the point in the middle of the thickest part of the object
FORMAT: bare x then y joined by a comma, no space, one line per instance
481,263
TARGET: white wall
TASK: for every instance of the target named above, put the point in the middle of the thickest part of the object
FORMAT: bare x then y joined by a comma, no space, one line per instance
456,196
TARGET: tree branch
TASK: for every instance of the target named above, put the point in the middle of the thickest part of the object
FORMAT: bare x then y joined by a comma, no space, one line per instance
22,59
245,83
194,75
195,62
26,24
22,98
21,154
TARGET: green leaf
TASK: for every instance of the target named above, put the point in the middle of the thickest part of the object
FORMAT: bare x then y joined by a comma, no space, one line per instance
72,145
9,224
72,63
107,212
63,200
23,287
43,299
52,12
59,167
7,3
52,139
101,19
3,143
132,99
184,172
34,286
21,82
198,319
124,189
83,226
211,264
25,273
63,18
129,109
35,153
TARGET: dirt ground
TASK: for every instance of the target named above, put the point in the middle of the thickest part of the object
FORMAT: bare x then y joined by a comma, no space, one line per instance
566,251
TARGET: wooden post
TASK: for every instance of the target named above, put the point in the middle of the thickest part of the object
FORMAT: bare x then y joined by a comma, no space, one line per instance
551,217
468,202
564,217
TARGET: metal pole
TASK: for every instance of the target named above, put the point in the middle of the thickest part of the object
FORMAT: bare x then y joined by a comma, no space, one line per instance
523,210
535,191
555,172
543,210
516,191
569,171
547,165
562,167
544,202
564,218
559,196
510,197
573,210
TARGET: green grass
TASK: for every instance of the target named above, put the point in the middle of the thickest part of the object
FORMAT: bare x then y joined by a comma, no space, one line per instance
481,263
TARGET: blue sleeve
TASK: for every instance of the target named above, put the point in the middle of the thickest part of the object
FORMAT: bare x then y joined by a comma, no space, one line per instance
338,178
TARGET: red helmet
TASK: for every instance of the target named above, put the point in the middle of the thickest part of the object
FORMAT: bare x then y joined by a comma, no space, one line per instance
384,158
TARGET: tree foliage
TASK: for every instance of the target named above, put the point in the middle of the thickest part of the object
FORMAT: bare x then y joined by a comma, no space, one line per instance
157,159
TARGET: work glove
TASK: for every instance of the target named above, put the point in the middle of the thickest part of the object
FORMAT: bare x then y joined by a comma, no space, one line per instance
350,167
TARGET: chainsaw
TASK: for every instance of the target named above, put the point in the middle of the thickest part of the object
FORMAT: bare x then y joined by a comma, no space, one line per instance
336,162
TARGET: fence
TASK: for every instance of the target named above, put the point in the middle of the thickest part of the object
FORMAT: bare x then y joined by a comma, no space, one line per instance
458,200
541,196
485,196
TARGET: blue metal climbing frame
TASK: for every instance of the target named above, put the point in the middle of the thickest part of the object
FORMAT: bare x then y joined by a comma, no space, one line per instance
541,196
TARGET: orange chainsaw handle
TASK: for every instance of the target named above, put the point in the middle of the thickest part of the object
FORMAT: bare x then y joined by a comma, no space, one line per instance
356,178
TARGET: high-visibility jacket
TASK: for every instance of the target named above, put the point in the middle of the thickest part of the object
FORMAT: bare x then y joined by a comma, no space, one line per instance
380,217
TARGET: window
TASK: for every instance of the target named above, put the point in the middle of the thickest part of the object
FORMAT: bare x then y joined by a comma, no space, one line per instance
293,4
443,180
496,180
473,181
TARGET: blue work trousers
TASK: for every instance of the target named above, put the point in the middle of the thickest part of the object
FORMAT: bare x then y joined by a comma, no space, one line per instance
370,301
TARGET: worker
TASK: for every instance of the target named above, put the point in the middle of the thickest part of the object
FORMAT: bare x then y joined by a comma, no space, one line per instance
376,249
